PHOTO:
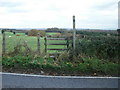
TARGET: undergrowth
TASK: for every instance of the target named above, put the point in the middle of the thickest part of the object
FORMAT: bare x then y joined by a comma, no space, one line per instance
89,66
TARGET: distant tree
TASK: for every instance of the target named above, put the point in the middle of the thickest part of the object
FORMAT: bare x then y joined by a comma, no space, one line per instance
42,33
34,32
53,29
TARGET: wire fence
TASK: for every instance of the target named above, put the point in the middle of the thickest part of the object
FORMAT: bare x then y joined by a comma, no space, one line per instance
16,42
11,42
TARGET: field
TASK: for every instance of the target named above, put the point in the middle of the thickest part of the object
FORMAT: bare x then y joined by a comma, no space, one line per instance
12,40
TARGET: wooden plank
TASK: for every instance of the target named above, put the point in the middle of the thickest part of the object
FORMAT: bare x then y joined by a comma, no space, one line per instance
55,49
55,36
56,39
57,44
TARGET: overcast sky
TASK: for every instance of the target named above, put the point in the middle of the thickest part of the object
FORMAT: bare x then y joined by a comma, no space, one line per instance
100,14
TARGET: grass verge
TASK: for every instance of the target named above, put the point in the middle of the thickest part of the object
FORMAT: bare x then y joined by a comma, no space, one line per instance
48,66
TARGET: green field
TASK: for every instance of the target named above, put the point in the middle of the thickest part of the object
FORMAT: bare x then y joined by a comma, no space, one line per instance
52,33
12,40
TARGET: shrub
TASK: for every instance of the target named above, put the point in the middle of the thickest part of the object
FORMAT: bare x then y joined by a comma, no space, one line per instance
35,32
16,61
83,67
102,48
90,65
109,68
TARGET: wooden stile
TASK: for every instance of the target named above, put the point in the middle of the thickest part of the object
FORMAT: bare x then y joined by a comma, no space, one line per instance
57,49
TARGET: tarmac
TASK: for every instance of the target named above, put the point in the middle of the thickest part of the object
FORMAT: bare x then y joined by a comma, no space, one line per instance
14,80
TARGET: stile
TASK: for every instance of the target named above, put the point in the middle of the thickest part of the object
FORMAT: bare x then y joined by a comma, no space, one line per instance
56,49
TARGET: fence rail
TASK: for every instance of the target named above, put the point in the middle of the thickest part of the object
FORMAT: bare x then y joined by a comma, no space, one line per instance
56,39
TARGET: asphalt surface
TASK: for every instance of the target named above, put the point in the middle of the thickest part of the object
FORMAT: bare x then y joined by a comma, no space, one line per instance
12,80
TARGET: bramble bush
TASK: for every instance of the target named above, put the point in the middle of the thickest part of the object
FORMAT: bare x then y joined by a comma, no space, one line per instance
106,48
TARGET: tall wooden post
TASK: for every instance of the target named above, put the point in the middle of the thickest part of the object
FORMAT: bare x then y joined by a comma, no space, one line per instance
74,33
3,44
38,44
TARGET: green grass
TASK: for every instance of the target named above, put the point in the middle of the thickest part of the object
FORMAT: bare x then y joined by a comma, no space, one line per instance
12,40
52,33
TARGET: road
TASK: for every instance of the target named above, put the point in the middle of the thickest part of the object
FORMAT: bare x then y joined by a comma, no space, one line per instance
12,80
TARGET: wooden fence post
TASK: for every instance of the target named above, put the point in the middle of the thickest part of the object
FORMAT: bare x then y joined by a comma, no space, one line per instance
3,44
14,32
46,45
38,44
74,33
67,43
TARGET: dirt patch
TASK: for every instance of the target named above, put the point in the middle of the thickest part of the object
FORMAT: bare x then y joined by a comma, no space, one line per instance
50,72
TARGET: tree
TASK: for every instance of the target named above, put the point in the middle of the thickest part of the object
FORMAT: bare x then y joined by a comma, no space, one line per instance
35,32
